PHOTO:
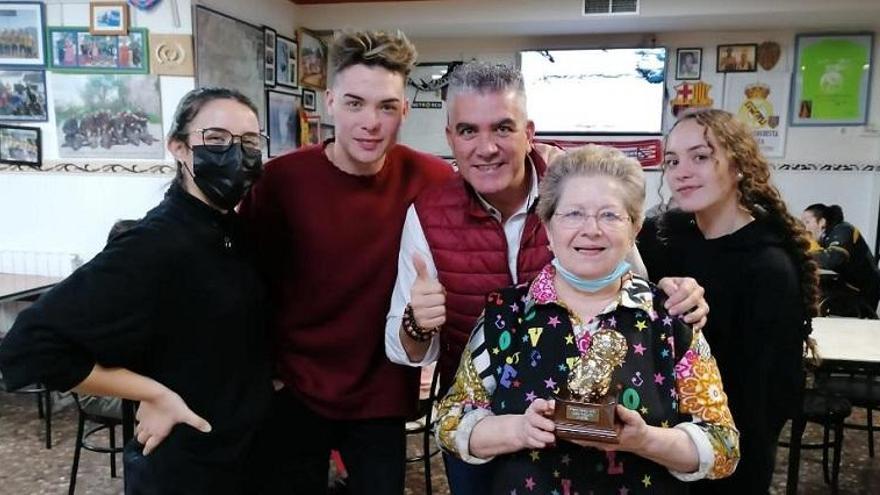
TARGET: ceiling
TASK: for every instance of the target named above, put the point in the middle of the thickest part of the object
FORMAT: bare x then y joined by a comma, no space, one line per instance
480,18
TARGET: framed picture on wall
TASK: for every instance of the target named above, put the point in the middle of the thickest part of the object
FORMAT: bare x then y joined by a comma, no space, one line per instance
314,135
832,83
114,116
230,53
74,49
312,59
737,58
688,63
22,34
328,131
282,111
269,41
25,96
108,18
309,100
286,61
20,146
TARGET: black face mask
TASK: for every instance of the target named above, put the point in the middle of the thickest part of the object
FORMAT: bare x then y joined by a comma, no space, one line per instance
225,176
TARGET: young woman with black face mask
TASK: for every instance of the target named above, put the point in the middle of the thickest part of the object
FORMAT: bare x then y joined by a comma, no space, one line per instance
169,314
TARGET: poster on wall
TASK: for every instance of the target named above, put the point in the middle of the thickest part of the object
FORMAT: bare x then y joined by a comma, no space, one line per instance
424,128
108,116
761,102
230,53
833,78
74,49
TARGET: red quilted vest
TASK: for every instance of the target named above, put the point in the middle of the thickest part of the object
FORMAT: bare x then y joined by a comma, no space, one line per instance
470,251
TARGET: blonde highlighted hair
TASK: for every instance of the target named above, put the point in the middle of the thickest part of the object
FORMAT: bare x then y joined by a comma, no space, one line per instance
389,50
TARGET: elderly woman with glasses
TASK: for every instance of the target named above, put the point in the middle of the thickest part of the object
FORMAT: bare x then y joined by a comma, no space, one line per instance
169,314
531,343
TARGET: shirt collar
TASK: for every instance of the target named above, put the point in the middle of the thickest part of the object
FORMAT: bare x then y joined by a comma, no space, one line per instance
530,199
635,292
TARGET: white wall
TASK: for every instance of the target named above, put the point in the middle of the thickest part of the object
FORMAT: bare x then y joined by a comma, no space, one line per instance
72,212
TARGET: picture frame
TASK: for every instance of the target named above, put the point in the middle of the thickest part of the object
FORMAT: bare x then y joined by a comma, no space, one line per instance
740,57
286,66
688,63
108,18
120,120
21,146
282,115
309,100
832,83
25,101
328,131
230,53
76,50
312,59
269,35
29,18
314,134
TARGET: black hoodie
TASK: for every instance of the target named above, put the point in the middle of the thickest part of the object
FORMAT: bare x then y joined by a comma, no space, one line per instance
755,326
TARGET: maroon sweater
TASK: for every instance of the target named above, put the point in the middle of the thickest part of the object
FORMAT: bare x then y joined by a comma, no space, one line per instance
328,242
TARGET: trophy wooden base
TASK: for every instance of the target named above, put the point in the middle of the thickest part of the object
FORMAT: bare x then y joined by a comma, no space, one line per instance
586,421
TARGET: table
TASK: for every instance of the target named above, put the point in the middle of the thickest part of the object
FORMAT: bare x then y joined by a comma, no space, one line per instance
848,339
14,286
843,340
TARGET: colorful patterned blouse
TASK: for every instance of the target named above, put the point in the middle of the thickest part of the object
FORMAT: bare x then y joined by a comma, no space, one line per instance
523,348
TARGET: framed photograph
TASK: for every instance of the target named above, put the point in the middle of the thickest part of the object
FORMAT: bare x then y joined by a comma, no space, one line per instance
108,18
23,96
108,116
737,58
269,42
285,58
74,49
688,63
230,53
22,34
328,131
314,135
282,110
20,146
309,100
312,60
832,83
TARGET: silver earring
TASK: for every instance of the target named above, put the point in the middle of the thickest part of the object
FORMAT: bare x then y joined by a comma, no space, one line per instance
739,176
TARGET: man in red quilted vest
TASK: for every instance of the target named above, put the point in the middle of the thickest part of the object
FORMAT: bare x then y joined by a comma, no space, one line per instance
477,232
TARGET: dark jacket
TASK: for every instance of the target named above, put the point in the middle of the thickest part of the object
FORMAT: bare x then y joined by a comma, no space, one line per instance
174,299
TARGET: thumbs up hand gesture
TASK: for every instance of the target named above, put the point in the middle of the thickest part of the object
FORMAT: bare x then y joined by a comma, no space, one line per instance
427,297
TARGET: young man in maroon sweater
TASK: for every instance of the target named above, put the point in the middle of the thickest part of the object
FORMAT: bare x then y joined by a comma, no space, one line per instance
477,232
326,221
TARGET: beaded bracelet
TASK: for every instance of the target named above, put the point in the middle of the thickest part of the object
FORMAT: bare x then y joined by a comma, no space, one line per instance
413,330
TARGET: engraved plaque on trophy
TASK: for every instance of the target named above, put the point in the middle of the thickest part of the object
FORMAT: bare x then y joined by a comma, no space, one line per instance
585,410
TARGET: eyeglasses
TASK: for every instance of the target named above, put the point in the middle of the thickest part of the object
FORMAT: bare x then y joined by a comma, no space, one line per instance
221,139
575,217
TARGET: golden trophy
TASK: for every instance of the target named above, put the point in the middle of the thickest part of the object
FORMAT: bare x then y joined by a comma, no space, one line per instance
585,410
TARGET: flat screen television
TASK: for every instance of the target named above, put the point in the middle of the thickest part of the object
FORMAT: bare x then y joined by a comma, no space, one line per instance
595,91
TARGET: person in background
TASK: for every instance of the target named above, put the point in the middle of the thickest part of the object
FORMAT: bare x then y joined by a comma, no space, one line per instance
479,231
170,314
674,424
842,248
734,235
328,220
